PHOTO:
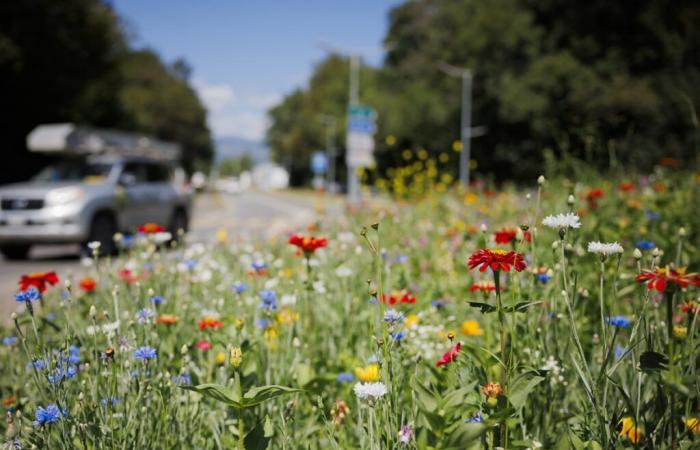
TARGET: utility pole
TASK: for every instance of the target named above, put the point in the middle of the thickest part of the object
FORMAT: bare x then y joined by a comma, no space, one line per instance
353,99
466,119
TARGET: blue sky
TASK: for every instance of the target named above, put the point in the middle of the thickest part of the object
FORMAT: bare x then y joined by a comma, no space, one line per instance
247,54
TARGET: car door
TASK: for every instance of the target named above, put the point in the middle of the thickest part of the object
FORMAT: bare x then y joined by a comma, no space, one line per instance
161,192
134,197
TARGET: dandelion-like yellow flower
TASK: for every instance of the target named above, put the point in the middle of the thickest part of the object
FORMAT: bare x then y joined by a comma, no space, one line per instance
287,316
680,331
633,432
369,373
220,358
271,335
411,320
693,424
471,328
222,235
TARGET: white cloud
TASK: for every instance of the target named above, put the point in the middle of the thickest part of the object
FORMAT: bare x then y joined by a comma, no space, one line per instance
232,112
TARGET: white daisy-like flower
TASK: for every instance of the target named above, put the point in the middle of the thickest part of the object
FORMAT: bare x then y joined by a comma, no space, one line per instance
603,248
567,220
370,391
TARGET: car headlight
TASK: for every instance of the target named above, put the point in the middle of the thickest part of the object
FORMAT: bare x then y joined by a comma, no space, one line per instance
64,195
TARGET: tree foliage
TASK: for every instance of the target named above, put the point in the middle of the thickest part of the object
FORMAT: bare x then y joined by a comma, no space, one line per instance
610,82
70,61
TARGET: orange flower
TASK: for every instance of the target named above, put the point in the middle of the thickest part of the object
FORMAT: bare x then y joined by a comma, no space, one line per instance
150,228
10,401
402,296
492,390
496,259
167,319
88,284
308,244
210,322
39,280
626,186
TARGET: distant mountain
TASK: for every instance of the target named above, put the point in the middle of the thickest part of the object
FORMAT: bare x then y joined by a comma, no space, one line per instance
235,147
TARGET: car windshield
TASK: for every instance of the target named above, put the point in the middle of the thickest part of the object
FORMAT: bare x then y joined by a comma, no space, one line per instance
73,171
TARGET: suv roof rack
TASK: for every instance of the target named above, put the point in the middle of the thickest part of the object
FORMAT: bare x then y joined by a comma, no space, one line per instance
72,139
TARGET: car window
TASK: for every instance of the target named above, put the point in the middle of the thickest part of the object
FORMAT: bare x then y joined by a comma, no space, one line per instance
138,171
73,171
158,173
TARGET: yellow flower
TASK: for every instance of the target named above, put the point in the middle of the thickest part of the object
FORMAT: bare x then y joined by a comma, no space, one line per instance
633,432
471,328
220,358
271,336
236,357
407,154
369,373
457,146
627,424
390,140
471,198
693,425
411,320
287,316
680,331
222,235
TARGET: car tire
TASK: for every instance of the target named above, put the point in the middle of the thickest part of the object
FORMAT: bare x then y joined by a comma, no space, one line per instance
102,230
15,252
178,222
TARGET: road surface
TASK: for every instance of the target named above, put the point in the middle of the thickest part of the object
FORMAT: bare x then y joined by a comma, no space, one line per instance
250,214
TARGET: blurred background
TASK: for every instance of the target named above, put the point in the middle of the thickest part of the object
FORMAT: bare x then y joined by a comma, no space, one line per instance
368,96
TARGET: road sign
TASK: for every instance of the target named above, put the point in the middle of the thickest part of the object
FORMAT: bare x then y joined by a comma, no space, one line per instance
360,136
319,163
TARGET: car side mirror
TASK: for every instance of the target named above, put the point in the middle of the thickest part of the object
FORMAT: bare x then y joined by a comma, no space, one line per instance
127,179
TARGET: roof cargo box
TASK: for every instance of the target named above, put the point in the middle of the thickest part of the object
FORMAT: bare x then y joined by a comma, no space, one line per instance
72,139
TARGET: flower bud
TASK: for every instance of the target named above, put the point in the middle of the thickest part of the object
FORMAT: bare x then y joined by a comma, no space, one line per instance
93,312
541,180
483,228
681,232
236,357
13,316
656,252
637,253
555,245
183,349
570,200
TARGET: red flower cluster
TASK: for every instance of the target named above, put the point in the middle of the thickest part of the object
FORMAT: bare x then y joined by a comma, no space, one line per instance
660,277
626,186
150,228
402,296
496,259
450,356
308,244
130,277
593,196
508,235
210,322
38,280
88,284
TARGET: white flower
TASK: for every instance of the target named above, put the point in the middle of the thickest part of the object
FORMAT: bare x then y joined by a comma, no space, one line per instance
605,249
370,391
319,287
94,245
568,220
288,300
162,237
343,271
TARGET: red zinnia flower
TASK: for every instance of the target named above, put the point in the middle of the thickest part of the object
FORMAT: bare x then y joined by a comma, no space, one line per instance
496,259
450,356
508,235
150,228
402,296
203,345
659,278
210,322
626,186
690,307
88,284
308,244
39,280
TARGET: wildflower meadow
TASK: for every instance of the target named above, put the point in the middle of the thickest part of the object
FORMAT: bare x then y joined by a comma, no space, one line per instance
556,315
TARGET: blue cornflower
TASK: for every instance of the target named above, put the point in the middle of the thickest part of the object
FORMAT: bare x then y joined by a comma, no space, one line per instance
645,245
144,315
263,324
65,295
127,241
148,266
183,378
372,301
269,300
652,215
259,265
110,401
239,287
191,264
344,377
38,364
401,259
145,353
392,317
73,354
48,415
619,322
437,304
398,336
62,374
542,278
157,300
9,340
476,418
29,295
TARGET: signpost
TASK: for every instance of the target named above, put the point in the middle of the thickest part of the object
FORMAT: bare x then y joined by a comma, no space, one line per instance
359,143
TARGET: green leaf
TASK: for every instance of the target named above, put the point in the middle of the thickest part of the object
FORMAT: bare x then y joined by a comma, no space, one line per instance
651,361
464,435
256,438
304,374
427,400
258,395
521,388
217,392
484,307
521,306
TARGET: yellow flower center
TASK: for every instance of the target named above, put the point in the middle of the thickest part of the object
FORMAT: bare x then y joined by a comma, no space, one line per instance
499,252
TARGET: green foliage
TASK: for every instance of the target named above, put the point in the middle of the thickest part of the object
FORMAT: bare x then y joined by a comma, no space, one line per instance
235,166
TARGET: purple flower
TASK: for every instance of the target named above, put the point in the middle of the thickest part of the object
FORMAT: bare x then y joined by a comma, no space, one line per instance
406,434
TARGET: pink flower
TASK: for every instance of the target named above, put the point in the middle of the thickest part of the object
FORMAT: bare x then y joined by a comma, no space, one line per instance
450,356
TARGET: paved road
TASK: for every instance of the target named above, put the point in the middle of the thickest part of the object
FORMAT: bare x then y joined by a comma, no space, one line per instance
251,214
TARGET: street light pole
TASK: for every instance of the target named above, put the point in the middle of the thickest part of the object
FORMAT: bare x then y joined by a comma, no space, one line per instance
466,119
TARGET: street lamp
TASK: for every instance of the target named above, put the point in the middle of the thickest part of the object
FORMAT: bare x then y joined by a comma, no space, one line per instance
466,131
